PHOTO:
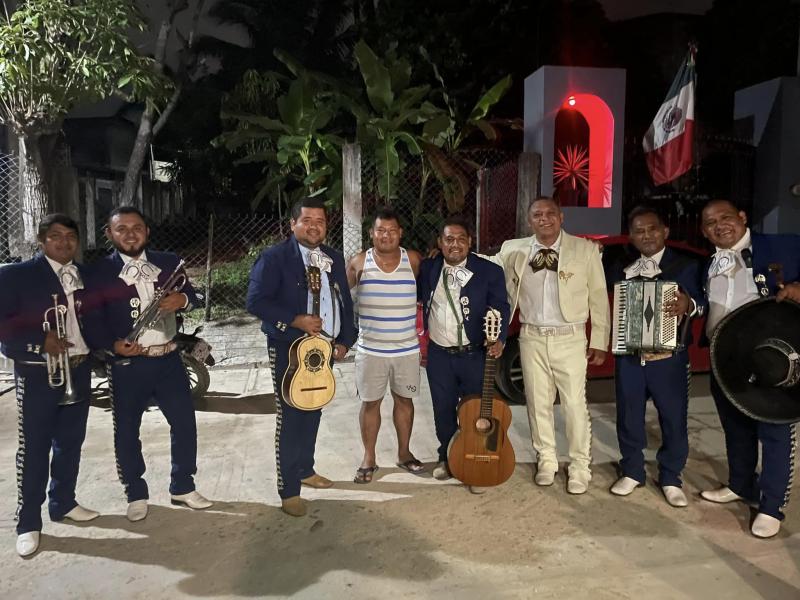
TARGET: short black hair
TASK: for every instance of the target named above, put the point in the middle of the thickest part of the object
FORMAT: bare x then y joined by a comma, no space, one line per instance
308,202
386,213
544,199
644,209
457,220
126,210
721,201
56,219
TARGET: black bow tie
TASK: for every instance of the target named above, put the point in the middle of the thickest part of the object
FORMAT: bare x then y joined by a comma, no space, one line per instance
544,259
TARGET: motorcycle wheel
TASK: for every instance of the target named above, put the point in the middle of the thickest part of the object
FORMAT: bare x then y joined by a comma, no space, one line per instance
199,379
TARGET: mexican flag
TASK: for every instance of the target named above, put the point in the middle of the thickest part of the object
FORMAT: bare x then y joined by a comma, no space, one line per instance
668,144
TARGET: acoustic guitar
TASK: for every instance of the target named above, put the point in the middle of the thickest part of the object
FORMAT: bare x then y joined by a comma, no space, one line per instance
308,383
480,452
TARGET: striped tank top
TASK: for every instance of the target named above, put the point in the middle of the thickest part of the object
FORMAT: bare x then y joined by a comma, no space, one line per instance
387,307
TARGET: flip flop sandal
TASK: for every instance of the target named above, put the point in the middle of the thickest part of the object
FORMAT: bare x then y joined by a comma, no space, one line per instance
413,466
364,474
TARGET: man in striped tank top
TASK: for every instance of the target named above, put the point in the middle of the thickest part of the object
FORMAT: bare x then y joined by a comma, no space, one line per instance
383,280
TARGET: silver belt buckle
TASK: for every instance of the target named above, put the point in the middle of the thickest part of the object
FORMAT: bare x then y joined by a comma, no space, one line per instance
547,331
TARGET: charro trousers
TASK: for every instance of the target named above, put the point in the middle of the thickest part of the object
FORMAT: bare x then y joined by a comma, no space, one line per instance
550,364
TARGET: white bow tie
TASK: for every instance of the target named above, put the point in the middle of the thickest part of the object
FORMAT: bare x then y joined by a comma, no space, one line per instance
317,258
70,279
457,277
723,263
139,271
642,267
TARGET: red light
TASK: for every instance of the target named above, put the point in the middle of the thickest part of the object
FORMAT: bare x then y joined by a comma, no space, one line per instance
571,100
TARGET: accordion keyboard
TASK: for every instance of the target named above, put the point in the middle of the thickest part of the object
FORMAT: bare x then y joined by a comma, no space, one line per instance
638,320
619,318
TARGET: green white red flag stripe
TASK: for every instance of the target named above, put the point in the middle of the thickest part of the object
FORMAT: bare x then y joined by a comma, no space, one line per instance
669,142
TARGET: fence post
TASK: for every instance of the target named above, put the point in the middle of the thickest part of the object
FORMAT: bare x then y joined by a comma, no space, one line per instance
209,253
480,207
351,201
528,174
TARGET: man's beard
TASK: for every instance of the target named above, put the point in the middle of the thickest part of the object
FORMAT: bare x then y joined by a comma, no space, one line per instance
132,253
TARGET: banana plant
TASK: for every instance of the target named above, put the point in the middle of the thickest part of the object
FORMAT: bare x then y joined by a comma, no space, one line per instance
301,156
392,115
443,140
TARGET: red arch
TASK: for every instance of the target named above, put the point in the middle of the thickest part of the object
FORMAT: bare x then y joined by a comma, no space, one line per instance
601,146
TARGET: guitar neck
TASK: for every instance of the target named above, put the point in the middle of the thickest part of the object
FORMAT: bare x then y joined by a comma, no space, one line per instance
487,395
315,303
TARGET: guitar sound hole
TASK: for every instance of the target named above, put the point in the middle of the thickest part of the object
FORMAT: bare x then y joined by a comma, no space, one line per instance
483,425
314,360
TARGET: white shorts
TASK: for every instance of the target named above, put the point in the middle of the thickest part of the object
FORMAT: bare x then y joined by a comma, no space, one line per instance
373,373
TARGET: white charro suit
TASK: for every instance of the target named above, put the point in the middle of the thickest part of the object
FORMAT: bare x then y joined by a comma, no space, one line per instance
553,360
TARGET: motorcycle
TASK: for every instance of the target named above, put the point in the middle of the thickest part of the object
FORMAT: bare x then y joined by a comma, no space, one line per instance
195,354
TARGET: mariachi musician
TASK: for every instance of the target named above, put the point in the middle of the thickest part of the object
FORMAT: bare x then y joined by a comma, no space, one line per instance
740,273
150,367
456,288
661,376
41,330
279,296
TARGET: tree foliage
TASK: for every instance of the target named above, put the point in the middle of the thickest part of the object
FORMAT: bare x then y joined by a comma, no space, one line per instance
55,54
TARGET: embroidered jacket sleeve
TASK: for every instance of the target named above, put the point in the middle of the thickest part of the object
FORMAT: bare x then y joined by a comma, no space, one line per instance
264,292
20,329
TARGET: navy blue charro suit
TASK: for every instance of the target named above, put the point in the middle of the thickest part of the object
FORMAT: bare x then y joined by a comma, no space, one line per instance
135,380
453,374
26,291
278,293
665,381
742,434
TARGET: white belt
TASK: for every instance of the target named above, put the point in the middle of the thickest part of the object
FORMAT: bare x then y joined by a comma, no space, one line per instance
550,331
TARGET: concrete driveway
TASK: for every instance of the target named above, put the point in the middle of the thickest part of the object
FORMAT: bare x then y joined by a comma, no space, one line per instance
401,536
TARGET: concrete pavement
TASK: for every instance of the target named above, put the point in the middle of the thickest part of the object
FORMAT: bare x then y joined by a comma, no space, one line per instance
402,535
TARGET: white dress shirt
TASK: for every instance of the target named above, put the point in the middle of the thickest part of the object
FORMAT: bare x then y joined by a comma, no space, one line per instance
74,335
729,291
166,328
443,323
538,294
328,306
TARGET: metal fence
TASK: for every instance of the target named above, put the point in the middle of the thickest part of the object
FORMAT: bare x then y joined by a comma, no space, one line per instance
221,250
11,245
480,184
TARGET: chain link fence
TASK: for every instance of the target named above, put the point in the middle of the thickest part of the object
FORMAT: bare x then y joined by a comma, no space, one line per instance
11,241
480,184
220,250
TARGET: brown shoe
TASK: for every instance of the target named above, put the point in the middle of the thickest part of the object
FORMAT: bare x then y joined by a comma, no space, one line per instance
317,481
294,506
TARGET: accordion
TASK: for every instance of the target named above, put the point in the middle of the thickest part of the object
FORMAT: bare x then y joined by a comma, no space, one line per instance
639,323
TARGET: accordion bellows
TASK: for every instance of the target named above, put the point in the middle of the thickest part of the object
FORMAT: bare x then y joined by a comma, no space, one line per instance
639,323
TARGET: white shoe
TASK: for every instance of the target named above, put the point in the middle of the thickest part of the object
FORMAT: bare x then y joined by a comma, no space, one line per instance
474,489
544,477
674,495
79,514
576,486
137,510
27,543
441,472
722,495
765,526
193,500
624,486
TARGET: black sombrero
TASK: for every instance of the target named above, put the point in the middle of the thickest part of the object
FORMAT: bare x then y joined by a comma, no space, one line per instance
755,358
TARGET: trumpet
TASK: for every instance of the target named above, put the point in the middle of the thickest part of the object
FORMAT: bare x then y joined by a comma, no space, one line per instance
152,314
58,370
